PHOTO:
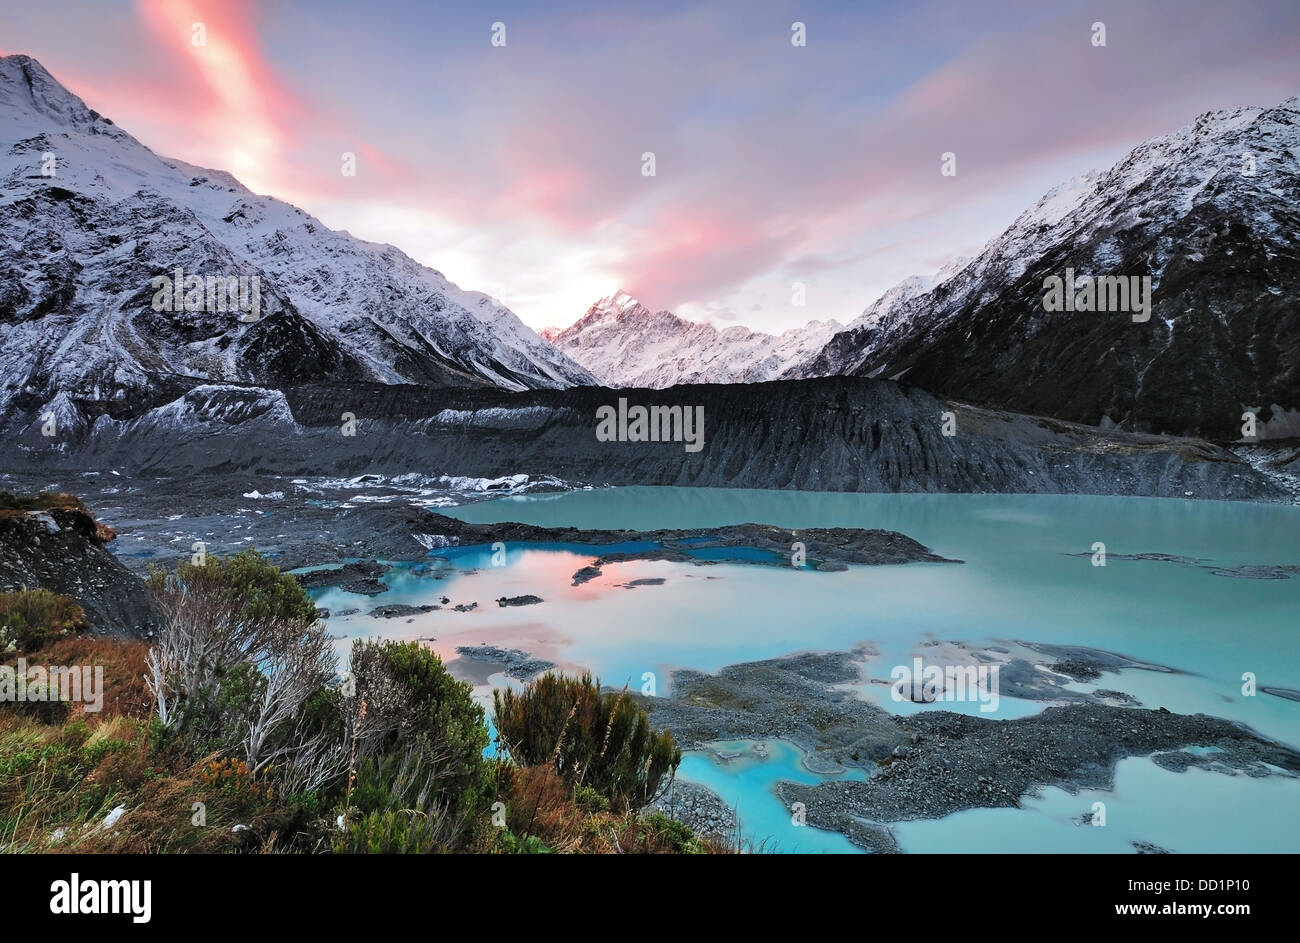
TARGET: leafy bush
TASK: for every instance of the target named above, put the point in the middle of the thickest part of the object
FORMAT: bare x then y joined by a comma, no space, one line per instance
413,705
598,739
240,664
32,618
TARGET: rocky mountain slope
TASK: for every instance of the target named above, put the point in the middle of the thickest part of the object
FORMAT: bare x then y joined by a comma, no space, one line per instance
624,343
1220,244
90,217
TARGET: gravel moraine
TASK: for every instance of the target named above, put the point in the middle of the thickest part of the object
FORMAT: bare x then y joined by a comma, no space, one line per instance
931,764
699,808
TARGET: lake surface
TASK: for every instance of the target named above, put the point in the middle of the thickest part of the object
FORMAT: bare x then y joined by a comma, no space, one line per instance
1028,576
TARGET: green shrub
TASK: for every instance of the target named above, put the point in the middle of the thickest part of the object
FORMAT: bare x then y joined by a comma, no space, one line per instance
589,799
512,844
32,618
420,717
395,808
597,739
396,832
678,835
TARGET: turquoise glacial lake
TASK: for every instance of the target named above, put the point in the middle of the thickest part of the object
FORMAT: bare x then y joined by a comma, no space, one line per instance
1028,576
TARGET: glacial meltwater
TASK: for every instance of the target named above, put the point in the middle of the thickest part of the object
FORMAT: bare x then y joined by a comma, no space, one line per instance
1223,606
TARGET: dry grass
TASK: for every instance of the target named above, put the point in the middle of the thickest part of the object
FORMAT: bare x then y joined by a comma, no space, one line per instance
125,692
58,784
541,804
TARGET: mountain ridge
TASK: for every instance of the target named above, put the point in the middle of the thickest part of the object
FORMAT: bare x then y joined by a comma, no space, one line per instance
93,216
1220,245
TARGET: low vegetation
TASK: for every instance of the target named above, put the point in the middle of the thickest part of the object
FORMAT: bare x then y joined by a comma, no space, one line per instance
236,731
592,738
32,618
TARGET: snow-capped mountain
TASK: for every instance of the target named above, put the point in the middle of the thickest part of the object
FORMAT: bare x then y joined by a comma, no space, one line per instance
624,343
881,318
1209,212
90,217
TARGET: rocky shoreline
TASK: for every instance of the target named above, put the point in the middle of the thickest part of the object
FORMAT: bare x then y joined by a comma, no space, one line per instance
933,763
360,577
1244,572
298,531
516,663
699,808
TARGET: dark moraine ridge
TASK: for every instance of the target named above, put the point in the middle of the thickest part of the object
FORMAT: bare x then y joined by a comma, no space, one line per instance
827,547
830,434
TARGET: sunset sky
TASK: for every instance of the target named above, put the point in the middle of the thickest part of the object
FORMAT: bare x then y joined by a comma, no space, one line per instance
517,170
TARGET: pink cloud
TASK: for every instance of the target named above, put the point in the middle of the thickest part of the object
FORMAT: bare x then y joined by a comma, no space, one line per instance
686,254
244,113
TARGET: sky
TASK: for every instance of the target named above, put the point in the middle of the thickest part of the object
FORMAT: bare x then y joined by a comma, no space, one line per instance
519,169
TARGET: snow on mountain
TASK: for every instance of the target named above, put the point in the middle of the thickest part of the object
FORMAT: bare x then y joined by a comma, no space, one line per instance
1209,212
905,290
881,318
625,344
90,217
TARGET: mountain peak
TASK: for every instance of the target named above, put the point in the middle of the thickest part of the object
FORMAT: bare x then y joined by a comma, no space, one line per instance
618,301
613,307
26,85
624,343
20,60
